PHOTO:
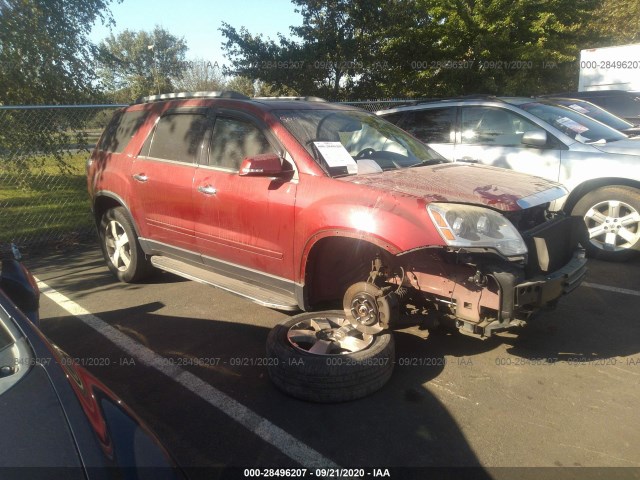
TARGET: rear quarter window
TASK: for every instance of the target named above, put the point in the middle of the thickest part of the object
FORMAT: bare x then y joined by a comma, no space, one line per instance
121,129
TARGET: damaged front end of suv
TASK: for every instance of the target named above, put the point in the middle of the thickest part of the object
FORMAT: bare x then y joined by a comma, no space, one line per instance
495,271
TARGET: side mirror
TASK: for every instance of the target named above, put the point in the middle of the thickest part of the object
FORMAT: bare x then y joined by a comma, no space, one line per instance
535,138
265,165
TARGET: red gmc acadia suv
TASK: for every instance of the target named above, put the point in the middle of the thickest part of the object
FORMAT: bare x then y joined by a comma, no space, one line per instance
300,203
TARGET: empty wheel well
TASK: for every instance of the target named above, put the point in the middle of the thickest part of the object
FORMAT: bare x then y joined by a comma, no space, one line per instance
334,264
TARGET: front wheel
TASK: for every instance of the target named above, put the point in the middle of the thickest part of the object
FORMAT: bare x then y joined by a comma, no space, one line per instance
612,216
120,247
320,357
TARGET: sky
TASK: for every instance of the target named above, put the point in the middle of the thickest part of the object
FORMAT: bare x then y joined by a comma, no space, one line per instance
198,21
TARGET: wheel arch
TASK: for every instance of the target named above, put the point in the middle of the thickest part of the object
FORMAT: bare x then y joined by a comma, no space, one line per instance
104,201
591,185
334,261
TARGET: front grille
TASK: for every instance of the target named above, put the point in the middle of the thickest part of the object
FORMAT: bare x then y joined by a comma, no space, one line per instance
552,244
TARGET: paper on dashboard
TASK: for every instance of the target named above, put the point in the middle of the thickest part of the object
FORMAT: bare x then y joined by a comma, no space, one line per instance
336,155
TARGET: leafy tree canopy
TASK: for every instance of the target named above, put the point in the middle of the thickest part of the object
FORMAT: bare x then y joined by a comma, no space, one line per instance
329,51
489,46
45,54
378,49
200,75
137,64
617,22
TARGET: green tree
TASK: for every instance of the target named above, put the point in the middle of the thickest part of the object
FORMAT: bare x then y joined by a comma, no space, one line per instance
136,64
617,22
243,85
487,46
361,49
331,50
200,75
45,53
46,58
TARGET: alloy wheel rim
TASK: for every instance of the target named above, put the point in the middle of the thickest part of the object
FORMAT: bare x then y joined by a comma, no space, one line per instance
327,336
117,245
613,225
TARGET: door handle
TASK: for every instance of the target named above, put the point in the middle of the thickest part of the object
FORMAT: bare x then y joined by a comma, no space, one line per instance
140,177
207,190
468,160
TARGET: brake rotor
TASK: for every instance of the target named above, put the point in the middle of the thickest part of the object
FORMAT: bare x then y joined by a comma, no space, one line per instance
367,308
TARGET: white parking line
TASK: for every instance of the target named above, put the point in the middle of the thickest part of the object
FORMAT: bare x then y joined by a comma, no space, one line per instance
263,428
611,289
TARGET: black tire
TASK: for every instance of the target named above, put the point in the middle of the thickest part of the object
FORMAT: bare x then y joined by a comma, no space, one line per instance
131,264
620,249
328,378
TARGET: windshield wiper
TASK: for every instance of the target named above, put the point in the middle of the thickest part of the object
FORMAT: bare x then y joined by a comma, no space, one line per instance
431,161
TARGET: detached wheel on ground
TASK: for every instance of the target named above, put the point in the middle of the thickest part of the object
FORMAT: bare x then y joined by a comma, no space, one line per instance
612,216
120,247
319,356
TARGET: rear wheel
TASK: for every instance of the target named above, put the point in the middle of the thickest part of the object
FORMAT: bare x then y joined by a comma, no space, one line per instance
612,216
319,356
121,248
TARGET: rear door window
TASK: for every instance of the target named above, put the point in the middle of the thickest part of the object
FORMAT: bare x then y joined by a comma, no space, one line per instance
178,137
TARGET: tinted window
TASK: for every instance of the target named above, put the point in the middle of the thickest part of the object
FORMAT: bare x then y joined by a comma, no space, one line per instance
436,125
395,118
494,126
596,112
620,105
121,129
234,140
573,124
179,137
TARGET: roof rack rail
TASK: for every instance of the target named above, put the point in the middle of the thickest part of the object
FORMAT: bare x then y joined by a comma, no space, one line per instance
186,95
301,99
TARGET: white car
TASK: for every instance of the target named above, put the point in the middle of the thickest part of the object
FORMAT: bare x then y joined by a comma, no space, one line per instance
599,165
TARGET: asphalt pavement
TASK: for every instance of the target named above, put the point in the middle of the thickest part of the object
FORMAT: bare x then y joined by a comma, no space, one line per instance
539,402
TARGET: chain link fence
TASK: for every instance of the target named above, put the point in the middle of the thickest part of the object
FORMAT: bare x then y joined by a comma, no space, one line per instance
375,105
43,150
43,195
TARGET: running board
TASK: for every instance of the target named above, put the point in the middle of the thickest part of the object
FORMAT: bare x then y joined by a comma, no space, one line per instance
258,294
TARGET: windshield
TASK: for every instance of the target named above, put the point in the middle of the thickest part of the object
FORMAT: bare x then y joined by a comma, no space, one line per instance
596,112
574,124
351,142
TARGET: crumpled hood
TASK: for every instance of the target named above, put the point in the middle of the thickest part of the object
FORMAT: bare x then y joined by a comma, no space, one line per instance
627,147
498,188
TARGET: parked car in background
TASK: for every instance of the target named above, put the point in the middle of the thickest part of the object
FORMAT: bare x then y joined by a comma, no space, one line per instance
599,165
621,103
299,204
598,113
59,421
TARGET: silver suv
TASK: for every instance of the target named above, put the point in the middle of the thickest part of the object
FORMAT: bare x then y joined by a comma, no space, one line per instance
599,165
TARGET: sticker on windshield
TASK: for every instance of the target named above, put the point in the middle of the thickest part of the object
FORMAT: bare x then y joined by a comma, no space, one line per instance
336,155
578,108
572,124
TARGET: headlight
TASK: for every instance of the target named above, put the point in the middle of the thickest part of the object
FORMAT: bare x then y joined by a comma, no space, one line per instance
471,226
